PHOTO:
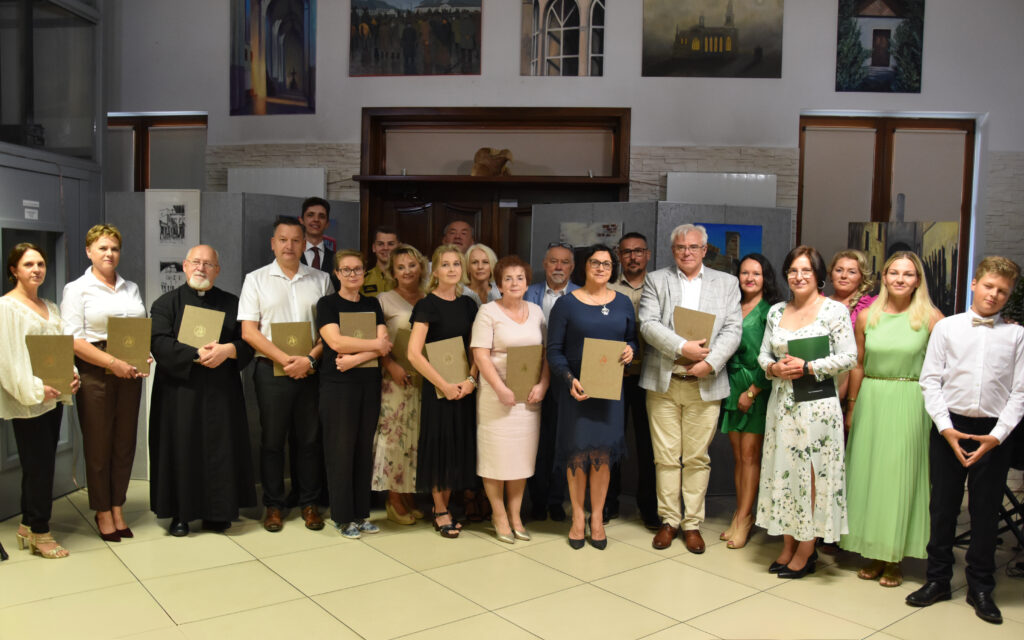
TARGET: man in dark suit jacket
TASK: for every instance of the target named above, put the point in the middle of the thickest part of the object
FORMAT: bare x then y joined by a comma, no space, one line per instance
319,254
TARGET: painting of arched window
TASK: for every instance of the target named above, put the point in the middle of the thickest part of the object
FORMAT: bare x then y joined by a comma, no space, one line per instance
596,38
535,39
562,38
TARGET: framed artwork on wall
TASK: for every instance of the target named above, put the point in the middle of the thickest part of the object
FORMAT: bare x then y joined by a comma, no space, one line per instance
727,243
713,38
562,37
879,45
414,37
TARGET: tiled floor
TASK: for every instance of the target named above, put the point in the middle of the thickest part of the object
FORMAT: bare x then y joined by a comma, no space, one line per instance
408,582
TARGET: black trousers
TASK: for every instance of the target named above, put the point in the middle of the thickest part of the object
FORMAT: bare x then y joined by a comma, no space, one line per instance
349,413
37,451
636,407
547,485
985,482
285,405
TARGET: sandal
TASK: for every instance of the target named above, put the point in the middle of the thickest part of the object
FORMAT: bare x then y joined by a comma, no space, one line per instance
892,576
55,553
872,570
451,530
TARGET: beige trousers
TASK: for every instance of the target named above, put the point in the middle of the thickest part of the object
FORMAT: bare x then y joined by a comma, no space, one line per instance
682,427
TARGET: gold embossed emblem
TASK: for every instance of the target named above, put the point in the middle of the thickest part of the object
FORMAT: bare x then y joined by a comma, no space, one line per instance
604,359
128,342
449,358
50,361
292,341
357,334
199,331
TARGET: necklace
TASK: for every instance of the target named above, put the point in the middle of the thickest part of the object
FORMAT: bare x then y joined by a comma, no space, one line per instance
593,301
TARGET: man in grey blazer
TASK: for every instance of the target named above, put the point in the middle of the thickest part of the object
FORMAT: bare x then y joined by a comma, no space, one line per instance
683,401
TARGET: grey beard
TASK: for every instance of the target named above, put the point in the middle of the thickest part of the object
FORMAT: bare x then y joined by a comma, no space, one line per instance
201,285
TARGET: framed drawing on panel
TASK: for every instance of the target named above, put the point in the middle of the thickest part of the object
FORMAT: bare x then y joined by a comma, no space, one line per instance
878,45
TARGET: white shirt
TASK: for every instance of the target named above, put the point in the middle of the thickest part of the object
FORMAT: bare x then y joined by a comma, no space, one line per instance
21,393
551,296
269,296
975,371
689,290
309,253
87,303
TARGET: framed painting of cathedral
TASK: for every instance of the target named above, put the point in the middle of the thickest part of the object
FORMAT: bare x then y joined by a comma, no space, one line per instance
712,38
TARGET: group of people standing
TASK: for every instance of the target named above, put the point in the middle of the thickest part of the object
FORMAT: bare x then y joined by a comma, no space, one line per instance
362,412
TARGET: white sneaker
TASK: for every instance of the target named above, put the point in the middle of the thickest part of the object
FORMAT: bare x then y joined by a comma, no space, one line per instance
368,527
351,531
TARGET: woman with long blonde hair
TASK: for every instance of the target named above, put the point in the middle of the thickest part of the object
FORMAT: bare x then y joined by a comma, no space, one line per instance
887,483
851,281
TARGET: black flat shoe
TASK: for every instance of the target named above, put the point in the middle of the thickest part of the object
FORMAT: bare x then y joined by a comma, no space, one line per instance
776,567
178,528
929,594
795,574
984,607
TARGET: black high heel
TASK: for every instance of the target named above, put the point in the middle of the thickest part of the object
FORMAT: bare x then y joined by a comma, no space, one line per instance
106,537
795,574
776,567
450,531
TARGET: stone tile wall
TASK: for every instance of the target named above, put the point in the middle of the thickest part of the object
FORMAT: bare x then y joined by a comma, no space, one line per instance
1004,194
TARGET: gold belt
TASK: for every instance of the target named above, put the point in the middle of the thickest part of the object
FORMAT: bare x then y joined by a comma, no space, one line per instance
892,379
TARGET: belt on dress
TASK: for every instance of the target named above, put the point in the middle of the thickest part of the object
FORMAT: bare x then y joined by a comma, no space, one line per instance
684,377
892,379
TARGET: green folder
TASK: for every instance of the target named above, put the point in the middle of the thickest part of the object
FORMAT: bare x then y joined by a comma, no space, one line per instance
808,387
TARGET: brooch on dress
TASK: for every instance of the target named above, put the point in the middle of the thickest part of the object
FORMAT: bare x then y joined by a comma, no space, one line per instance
604,310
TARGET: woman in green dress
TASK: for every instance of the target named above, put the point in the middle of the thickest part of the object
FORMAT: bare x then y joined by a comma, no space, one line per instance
743,412
887,483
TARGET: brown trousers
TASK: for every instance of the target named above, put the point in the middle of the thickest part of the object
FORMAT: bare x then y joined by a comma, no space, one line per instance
108,410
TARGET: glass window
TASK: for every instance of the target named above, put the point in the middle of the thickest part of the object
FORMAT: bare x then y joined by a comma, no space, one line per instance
562,37
597,38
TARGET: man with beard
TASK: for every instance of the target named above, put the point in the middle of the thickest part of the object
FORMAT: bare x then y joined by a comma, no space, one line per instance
633,256
198,433
547,486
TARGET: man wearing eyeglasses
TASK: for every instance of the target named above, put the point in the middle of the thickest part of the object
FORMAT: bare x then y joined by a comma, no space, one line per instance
683,400
547,486
198,432
633,256
285,291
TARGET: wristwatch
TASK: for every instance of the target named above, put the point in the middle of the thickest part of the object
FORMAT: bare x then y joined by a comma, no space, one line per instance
312,362
750,394
807,370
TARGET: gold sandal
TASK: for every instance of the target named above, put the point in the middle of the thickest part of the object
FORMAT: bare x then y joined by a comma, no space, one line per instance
56,553
23,538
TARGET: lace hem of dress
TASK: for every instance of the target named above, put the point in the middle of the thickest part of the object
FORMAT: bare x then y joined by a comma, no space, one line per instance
593,457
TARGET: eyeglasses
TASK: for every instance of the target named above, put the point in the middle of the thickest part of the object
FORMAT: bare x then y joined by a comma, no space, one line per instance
684,248
801,273
625,253
351,271
202,263
564,245
599,264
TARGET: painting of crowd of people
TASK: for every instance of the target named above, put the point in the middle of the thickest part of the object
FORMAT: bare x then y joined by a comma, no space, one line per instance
414,37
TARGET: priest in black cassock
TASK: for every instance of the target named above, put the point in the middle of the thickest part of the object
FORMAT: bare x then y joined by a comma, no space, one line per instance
198,432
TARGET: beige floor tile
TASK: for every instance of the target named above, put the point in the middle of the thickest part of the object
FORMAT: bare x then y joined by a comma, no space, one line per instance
634,533
174,633
486,625
502,579
370,610
336,567
748,566
1009,595
542,531
881,636
675,589
261,543
424,549
767,616
298,618
203,594
681,631
937,621
29,581
123,610
588,563
168,556
585,612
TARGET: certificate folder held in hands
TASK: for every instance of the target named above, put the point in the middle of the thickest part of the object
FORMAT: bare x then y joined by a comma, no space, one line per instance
601,371
128,340
53,360
294,338
400,350
362,325
448,357
523,369
199,326
808,387
693,325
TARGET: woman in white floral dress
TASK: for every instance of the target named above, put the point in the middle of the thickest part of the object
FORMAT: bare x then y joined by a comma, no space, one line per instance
802,493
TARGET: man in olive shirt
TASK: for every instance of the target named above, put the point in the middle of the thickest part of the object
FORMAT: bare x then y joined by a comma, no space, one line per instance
385,239
633,256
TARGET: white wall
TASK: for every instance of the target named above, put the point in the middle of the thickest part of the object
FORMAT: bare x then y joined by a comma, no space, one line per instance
174,56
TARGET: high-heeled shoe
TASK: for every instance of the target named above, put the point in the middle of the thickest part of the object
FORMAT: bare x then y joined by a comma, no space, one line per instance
507,538
55,553
522,534
577,544
795,574
450,531
776,567
23,542
106,537
725,535
738,538
125,533
398,518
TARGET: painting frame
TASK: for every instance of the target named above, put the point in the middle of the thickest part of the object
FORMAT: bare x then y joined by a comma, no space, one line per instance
879,46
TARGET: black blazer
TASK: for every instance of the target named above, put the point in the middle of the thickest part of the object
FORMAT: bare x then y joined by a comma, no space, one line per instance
326,265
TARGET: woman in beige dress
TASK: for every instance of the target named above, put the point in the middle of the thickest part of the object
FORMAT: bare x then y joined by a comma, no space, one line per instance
507,429
394,455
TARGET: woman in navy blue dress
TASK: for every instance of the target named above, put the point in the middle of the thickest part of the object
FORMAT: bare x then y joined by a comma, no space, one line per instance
590,431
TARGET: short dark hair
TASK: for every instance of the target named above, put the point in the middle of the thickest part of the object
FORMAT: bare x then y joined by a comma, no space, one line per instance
817,263
509,262
314,201
586,253
770,290
288,221
17,253
634,235
385,229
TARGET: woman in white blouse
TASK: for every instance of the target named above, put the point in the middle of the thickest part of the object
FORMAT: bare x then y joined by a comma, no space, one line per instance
30,405
108,406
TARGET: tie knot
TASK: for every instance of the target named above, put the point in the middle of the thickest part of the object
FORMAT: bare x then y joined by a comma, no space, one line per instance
983,322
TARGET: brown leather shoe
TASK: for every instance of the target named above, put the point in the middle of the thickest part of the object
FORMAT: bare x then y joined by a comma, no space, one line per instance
666,534
312,517
693,541
272,520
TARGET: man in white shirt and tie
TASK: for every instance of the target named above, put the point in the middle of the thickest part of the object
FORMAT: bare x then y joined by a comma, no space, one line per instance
973,384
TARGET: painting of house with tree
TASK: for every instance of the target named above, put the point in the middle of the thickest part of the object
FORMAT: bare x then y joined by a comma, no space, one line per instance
878,45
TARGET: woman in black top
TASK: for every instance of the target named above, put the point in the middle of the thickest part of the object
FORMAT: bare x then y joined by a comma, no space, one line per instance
447,444
350,397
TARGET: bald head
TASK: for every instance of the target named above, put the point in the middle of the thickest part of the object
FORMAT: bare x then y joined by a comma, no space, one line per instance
201,267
